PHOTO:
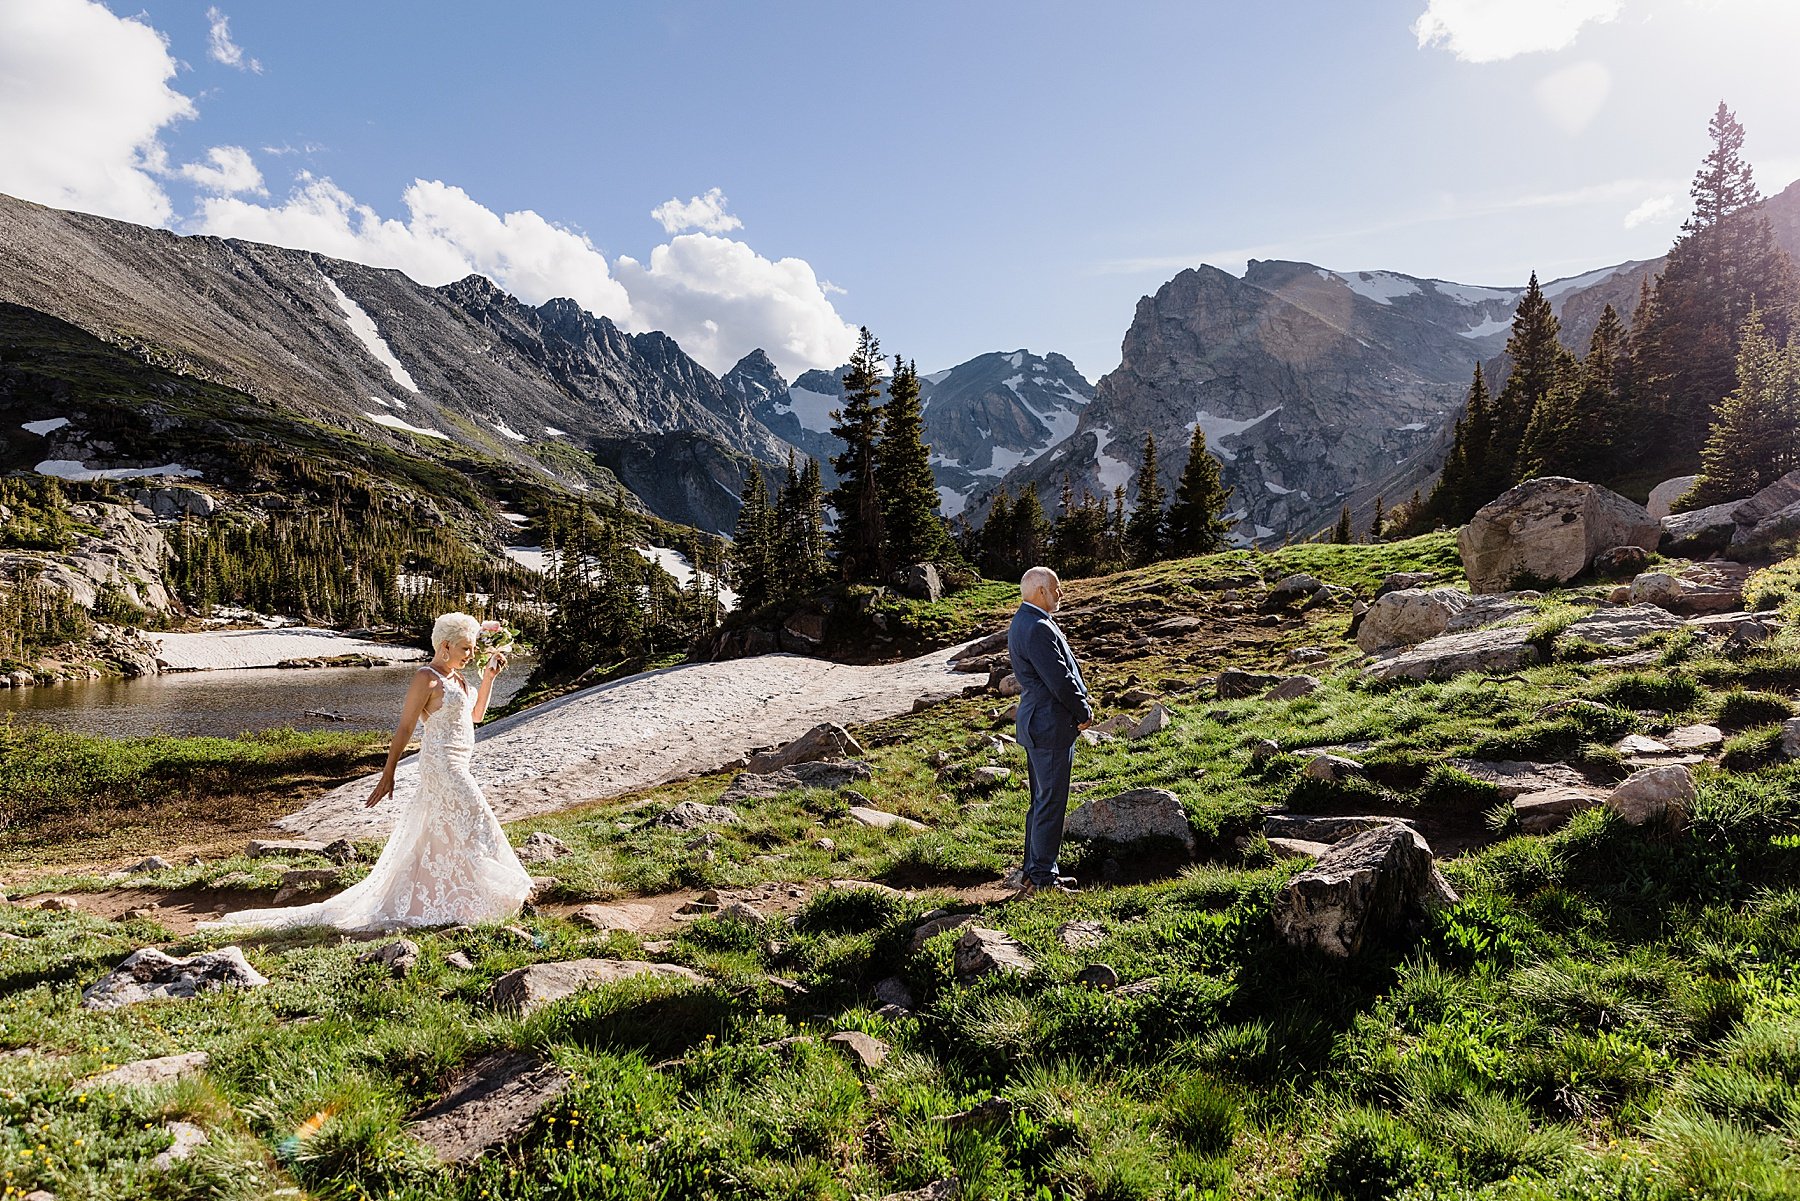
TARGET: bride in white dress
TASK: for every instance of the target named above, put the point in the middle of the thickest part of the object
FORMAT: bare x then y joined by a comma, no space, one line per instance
447,860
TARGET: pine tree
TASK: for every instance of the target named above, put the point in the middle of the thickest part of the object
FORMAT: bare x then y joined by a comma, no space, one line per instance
1376,526
1756,438
801,547
1030,541
1530,404
1574,431
857,497
752,553
1144,534
1342,533
1725,262
1454,498
995,539
1197,523
909,497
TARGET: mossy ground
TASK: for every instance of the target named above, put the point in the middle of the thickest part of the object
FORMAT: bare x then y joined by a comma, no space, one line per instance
1606,1014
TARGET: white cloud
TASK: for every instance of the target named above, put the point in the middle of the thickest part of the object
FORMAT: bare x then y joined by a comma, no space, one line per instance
1488,31
84,98
1572,97
227,170
220,46
699,212
715,296
1657,209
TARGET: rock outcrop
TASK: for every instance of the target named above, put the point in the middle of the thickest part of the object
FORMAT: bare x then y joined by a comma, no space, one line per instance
1547,531
149,974
1365,887
1133,816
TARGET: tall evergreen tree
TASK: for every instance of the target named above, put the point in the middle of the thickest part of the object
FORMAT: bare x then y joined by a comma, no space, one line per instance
1575,431
1144,534
1030,541
752,543
1756,439
857,497
1377,519
994,542
1453,499
1342,532
1725,262
1197,523
1541,365
909,497
802,551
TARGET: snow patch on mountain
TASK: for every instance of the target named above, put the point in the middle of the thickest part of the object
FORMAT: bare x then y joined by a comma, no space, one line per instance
1553,290
1492,325
507,431
1219,428
1470,294
950,501
679,566
46,426
811,409
1380,286
1113,473
73,470
363,326
394,423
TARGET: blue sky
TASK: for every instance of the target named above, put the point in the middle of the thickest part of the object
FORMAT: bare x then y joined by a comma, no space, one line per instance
962,177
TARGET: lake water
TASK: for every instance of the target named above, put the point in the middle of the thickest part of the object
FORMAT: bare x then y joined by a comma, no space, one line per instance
231,702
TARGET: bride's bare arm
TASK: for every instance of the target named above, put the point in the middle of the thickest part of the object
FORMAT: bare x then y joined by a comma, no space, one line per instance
487,685
418,697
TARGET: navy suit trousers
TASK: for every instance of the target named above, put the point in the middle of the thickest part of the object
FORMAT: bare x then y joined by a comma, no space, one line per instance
1049,772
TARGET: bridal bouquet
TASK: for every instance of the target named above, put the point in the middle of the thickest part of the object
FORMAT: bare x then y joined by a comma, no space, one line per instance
495,638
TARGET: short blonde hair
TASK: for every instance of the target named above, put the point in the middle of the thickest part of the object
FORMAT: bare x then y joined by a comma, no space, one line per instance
450,625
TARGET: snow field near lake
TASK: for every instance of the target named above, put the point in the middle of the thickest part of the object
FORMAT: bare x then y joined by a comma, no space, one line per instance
363,326
47,426
218,649
70,469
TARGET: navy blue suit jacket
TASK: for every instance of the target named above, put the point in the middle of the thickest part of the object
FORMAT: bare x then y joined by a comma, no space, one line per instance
1053,699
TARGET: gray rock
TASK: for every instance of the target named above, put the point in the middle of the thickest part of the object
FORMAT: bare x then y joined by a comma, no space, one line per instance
153,863
984,952
460,961
1703,738
399,956
1401,581
1551,809
830,774
536,985
541,848
1264,750
1408,616
865,1052
1293,589
825,741
1667,493
1620,562
1497,650
303,880
275,848
494,1102
927,930
1233,684
1008,685
1154,722
1132,816
1293,688
1549,529
1778,496
143,1073
148,974
892,990
883,821
1622,627
1076,935
1361,888
1331,768
1098,975
1296,848
1735,630
743,913
920,581
1790,738
1662,796
690,815
1515,777
1699,532
1642,744
184,1139
1308,827
340,851
990,777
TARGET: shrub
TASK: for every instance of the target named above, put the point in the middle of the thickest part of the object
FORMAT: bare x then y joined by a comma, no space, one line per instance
1203,1113
1741,708
1668,691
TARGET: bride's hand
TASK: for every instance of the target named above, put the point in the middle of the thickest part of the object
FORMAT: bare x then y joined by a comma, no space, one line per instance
495,664
383,787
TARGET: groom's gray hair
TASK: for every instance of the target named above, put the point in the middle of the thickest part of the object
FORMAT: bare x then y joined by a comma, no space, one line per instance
1037,577
450,625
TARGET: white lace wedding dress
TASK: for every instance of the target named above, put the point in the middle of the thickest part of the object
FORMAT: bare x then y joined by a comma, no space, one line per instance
447,860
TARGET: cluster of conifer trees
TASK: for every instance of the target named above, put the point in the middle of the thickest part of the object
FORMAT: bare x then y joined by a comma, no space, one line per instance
1703,372
779,550
1092,537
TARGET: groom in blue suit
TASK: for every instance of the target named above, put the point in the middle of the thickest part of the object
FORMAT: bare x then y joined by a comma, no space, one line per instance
1053,708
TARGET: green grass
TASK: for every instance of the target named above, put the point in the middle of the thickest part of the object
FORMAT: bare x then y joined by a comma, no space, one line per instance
1605,1013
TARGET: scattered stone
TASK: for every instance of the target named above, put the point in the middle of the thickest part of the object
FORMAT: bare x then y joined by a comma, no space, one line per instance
1234,684
542,848
147,913
185,1138
1293,589
1618,562
1736,630
1296,848
690,815
744,913
492,1103
1551,809
1154,722
630,918
1515,777
1292,688
1572,705
990,777
148,974
462,962
1331,768
994,1109
825,844
1361,888
1549,529
1118,723
57,905
153,863
1307,654
892,990
1699,533
825,741
1008,685
927,930
1076,935
399,956
825,773
865,1052
984,952
1402,581
947,1189
340,851
1098,975
1131,817
143,1073
303,880
1641,744
536,985
1264,750
1655,795
1314,828
1702,738
274,848
1790,738
881,820
1494,651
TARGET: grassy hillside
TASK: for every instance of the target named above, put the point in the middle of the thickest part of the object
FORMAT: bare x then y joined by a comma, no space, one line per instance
1607,1013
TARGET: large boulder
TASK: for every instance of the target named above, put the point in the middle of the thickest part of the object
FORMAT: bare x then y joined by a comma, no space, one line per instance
1655,796
494,1102
1409,616
1360,889
827,740
1501,649
1548,530
1699,532
525,989
149,975
1622,627
920,581
1132,817
1666,494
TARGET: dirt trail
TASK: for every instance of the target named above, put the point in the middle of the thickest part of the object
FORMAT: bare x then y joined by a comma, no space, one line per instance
647,730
